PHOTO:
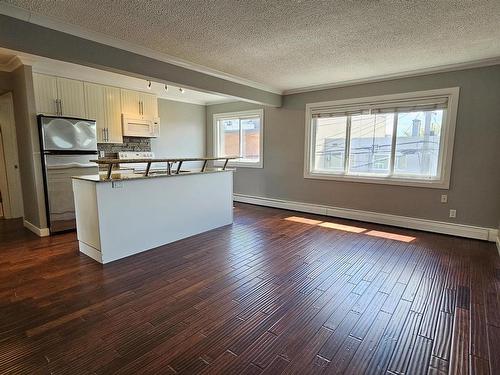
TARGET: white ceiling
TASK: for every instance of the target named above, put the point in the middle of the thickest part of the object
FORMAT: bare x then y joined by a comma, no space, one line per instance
288,44
83,73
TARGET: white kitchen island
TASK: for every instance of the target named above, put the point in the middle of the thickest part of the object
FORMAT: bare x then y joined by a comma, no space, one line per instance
127,214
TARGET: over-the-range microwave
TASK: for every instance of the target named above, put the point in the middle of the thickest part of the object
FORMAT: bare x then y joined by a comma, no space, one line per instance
141,127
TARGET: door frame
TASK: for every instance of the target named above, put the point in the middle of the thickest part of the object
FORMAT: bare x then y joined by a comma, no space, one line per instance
11,185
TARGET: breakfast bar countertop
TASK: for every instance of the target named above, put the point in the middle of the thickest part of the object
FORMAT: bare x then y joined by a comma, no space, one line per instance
128,175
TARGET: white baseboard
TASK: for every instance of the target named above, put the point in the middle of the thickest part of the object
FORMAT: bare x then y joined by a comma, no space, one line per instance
41,232
90,251
469,231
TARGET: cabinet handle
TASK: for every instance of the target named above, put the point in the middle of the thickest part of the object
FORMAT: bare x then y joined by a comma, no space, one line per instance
60,107
56,104
107,134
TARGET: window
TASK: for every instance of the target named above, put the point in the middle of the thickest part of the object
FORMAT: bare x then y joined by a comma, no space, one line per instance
403,139
239,134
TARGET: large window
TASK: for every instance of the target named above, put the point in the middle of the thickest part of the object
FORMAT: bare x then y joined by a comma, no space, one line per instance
403,139
239,134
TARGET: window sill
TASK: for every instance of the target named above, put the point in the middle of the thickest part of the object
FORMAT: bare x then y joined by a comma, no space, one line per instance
431,184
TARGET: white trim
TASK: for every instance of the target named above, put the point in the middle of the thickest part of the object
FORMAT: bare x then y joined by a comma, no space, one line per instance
215,136
407,74
498,243
460,230
11,65
447,138
40,232
55,24
90,251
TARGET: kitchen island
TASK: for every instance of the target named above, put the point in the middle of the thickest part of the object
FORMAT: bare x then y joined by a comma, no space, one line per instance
121,214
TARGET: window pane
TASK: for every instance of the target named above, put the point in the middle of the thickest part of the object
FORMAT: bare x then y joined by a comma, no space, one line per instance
417,143
329,143
370,144
250,131
229,137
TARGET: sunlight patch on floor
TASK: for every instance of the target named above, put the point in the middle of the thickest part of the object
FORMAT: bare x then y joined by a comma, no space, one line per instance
350,228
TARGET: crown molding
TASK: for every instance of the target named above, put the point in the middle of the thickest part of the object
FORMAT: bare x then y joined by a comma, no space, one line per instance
54,24
11,65
408,74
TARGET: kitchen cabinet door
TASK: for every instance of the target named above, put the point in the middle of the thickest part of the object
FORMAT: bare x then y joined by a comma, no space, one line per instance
113,114
45,94
94,105
150,105
72,97
131,103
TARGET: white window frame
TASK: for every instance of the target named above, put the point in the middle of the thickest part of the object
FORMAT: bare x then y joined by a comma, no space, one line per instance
228,115
446,149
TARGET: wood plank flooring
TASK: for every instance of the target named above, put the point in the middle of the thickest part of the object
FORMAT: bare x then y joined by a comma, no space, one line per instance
276,292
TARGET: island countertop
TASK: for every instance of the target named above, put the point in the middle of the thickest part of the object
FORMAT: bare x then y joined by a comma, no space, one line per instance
118,175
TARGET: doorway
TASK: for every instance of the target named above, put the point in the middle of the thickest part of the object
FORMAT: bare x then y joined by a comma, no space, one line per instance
11,202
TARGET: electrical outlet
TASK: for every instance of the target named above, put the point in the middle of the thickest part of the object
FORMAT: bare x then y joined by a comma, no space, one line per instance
444,198
117,184
102,154
453,213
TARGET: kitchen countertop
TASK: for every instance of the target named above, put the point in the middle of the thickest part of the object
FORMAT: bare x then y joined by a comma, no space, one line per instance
118,175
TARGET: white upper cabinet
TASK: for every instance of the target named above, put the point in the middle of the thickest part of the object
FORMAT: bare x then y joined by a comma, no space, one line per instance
71,96
103,106
139,104
149,105
46,94
131,102
94,106
113,114
59,96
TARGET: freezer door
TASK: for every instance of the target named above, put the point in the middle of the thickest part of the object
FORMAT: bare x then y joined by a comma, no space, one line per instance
67,134
58,171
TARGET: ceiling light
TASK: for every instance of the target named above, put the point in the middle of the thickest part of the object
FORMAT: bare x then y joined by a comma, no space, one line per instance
181,90
149,85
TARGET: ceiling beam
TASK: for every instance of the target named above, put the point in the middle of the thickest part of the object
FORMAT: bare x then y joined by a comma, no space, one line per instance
27,37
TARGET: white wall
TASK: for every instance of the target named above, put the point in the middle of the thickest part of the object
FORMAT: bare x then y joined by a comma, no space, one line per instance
182,132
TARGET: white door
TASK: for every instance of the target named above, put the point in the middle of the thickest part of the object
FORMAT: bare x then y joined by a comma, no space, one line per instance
72,97
45,94
12,200
94,105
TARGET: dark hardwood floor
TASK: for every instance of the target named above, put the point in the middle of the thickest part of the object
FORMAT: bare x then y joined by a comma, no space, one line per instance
276,292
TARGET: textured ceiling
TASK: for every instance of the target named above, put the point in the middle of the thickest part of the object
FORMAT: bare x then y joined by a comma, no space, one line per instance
295,43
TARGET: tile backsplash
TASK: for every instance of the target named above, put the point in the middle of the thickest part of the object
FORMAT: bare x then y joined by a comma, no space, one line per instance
129,144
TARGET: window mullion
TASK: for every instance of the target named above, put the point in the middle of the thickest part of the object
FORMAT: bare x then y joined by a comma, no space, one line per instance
392,160
347,144
241,138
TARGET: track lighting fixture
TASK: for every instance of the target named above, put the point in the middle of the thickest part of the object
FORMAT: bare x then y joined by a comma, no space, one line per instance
166,88
181,90
149,85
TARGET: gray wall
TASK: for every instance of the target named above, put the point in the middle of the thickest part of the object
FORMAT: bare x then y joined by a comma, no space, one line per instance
28,146
475,179
182,132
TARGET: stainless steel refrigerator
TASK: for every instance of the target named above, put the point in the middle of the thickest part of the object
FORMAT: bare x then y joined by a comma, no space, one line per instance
67,146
